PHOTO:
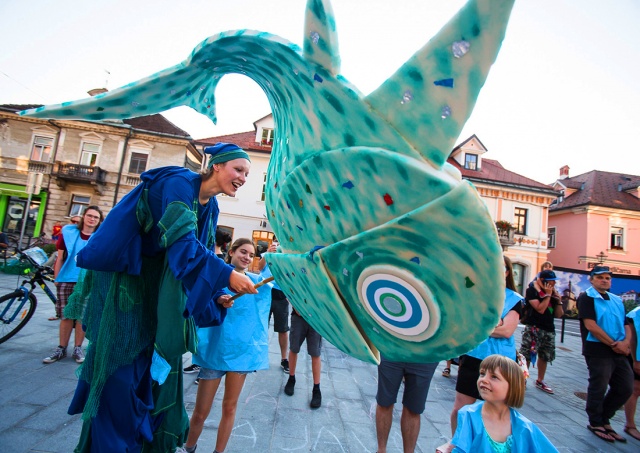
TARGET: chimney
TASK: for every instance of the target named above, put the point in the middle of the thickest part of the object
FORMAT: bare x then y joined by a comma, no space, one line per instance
564,172
96,91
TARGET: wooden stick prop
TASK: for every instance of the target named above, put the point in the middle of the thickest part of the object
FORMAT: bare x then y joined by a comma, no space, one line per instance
258,285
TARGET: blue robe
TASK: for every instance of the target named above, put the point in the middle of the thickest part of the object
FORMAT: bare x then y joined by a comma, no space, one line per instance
154,276
241,343
502,346
471,437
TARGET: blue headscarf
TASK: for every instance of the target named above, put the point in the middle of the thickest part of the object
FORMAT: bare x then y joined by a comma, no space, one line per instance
224,152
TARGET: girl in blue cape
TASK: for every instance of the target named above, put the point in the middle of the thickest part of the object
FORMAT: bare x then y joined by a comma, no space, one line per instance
493,425
153,277
233,349
500,341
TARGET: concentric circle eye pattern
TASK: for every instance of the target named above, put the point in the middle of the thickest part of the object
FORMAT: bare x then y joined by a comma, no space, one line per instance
398,303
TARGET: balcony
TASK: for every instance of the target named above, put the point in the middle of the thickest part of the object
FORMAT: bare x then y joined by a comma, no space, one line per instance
83,174
36,166
131,179
505,234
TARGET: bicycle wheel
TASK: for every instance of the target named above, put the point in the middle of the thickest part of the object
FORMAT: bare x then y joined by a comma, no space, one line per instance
11,303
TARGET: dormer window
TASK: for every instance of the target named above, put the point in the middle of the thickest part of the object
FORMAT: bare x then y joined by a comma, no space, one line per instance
471,161
267,137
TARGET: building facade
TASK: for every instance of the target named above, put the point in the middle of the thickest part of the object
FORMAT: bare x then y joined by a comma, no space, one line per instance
81,163
519,201
596,220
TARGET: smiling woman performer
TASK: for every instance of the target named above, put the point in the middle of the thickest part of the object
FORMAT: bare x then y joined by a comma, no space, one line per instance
154,278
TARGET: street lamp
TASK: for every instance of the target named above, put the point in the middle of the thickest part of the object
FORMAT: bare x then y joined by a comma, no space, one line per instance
601,257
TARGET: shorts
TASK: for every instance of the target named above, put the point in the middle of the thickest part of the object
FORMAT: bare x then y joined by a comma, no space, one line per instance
280,311
417,379
300,331
468,373
209,374
64,290
543,342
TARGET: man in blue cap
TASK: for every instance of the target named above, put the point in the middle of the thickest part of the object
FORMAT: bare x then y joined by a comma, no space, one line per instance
606,343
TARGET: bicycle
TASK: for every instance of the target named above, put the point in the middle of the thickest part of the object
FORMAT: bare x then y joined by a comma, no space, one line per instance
17,307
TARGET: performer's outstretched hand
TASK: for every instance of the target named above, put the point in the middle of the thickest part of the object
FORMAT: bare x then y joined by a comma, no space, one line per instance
240,283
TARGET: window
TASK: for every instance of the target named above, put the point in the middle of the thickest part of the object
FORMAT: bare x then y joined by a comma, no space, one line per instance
78,204
617,238
89,154
138,163
520,220
471,161
551,237
262,240
41,150
264,188
267,137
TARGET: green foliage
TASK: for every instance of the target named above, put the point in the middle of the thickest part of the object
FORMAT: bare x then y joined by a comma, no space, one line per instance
504,225
629,305
49,249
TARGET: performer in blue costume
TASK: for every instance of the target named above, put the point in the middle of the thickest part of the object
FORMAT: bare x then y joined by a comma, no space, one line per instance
233,349
153,277
492,425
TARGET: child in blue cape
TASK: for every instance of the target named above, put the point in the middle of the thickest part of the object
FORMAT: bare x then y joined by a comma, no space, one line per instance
493,425
233,349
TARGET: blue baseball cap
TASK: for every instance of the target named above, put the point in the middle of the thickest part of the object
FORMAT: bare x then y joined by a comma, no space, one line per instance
597,270
548,275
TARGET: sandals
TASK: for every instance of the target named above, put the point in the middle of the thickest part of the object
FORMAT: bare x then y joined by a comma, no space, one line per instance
610,431
54,318
630,431
601,433
446,372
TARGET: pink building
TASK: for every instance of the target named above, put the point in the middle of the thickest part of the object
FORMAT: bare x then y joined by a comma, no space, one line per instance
596,220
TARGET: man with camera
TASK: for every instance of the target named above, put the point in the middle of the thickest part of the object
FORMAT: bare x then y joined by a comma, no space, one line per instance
542,305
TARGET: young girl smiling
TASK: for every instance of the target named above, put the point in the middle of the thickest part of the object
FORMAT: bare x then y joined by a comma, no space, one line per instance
493,425
233,349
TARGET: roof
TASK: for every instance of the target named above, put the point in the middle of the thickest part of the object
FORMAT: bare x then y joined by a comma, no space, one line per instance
149,123
493,172
467,141
245,140
600,188
156,123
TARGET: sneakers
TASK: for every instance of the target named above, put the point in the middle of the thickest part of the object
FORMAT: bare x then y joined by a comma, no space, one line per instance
197,381
184,449
289,387
59,353
77,355
284,363
544,387
316,398
191,369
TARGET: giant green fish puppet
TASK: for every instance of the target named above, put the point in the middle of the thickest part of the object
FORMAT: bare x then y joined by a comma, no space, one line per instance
385,249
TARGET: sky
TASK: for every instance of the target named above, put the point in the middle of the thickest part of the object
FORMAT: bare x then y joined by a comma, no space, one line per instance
563,90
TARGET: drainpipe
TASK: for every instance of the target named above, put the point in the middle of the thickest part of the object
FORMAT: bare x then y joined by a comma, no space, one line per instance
54,153
124,154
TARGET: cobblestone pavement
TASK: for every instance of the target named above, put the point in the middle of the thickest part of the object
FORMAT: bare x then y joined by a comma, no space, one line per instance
34,400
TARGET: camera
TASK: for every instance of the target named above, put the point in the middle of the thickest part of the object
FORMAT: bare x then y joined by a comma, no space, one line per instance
261,248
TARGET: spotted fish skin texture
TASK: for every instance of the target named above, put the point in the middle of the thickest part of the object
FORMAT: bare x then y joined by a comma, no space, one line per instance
385,249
